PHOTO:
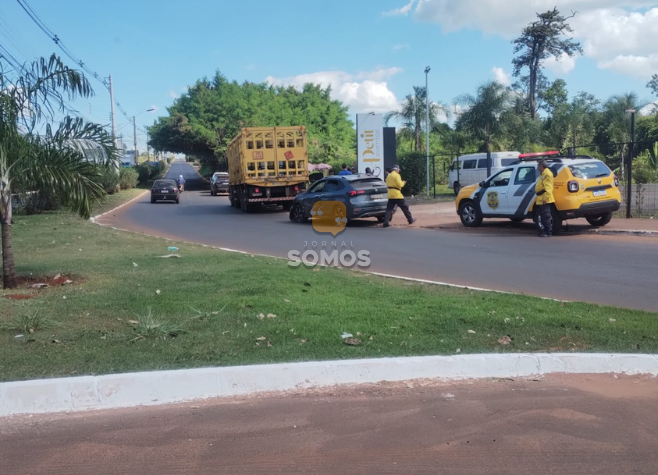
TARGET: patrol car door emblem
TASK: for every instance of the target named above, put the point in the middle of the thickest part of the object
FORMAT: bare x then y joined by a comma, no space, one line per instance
492,199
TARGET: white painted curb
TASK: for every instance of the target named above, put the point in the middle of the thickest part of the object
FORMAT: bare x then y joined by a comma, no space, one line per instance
94,218
163,387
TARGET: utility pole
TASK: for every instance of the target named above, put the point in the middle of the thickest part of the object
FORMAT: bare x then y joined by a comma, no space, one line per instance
135,133
427,132
629,178
114,123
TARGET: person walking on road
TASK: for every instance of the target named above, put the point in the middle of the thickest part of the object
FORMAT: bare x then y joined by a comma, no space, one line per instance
345,171
395,197
181,182
544,190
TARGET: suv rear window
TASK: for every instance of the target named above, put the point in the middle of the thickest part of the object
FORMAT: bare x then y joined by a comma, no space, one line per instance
593,169
367,183
506,162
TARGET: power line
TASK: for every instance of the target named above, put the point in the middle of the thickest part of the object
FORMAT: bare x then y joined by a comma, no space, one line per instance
51,34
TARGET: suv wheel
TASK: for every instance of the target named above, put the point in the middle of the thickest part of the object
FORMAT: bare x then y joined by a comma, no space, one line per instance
470,214
599,219
297,214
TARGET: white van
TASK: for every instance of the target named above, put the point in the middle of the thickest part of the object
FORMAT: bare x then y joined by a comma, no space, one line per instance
471,169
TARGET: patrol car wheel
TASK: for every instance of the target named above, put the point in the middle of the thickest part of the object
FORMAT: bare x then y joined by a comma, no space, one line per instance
599,219
470,214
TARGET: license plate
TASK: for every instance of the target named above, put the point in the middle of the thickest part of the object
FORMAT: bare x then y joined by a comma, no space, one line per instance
377,197
599,193
165,191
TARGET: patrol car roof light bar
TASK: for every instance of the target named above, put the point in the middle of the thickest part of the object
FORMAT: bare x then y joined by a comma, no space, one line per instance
552,155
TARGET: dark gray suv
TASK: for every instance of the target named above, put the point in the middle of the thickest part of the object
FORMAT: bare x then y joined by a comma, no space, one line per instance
364,197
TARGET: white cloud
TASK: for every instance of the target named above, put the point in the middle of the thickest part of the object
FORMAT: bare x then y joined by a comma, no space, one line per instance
650,108
362,92
501,76
641,67
562,65
402,11
173,94
401,46
608,29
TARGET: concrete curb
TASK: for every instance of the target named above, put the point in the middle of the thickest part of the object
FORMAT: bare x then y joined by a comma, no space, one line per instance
94,218
165,387
623,232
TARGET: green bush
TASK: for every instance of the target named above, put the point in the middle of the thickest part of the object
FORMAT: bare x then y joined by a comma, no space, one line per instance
143,173
644,170
412,169
109,180
37,203
170,160
128,178
157,170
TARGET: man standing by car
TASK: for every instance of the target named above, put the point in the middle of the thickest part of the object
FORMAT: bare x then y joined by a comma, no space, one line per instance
395,196
544,190
344,171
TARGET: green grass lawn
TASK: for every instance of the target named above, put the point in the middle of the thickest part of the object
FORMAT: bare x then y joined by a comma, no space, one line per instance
202,310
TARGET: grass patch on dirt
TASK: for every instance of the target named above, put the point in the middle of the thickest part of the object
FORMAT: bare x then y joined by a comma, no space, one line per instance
127,309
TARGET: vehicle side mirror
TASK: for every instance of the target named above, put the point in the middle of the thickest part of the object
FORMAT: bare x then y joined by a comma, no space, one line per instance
483,184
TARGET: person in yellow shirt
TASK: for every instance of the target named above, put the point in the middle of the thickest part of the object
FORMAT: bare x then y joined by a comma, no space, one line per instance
395,197
544,190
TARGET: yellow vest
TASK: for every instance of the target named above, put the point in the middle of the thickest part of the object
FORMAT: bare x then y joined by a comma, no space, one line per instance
545,184
395,184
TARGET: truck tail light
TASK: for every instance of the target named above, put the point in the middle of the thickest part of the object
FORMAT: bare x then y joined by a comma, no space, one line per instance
616,180
573,186
256,190
297,188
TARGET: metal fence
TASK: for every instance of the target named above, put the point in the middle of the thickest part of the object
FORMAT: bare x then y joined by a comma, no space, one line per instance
644,200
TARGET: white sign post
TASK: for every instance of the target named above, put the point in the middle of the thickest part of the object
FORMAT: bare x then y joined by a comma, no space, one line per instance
370,143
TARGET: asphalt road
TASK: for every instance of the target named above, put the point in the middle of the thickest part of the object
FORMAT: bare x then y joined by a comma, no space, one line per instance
575,425
612,270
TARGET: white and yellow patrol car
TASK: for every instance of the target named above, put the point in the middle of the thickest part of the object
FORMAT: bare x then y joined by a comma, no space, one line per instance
584,188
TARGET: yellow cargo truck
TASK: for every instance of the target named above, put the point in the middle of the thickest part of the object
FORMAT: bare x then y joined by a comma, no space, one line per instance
267,165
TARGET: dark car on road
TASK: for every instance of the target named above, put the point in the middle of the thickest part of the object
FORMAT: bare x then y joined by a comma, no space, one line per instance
364,197
165,190
219,183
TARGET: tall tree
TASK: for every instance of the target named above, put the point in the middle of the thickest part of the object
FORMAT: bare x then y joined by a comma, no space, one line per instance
204,120
412,114
32,157
542,39
653,84
482,117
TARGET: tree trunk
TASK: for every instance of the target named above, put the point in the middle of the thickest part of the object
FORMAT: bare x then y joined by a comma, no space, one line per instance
488,156
8,266
417,137
532,93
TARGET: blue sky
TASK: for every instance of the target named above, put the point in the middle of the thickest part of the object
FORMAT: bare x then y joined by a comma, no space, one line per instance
371,51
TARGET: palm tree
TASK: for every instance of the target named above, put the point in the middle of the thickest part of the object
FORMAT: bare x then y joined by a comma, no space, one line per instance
56,159
617,122
412,114
482,117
